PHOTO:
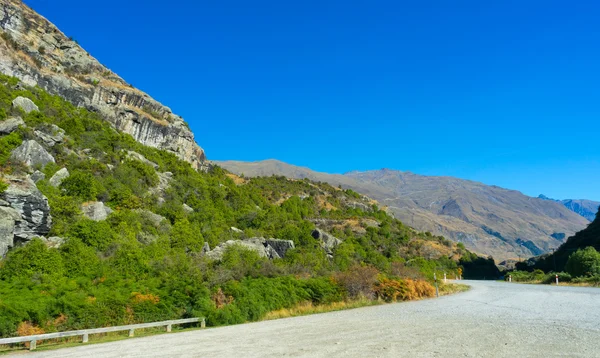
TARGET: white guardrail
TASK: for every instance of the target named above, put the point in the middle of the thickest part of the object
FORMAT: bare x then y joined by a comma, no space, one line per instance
86,332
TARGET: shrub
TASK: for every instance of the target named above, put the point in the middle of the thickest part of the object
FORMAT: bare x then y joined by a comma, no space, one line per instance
358,281
82,185
584,262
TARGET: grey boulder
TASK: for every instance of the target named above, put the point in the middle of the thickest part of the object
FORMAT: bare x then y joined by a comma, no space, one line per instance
10,125
32,154
328,241
25,104
37,176
50,135
58,177
24,210
96,210
260,245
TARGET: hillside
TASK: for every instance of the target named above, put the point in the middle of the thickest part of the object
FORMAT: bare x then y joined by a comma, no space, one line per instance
35,51
556,261
97,229
488,219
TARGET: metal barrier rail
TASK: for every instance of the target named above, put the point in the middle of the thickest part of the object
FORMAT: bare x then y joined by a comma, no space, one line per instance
86,332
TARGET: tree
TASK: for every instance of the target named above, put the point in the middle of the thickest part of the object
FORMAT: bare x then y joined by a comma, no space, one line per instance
584,262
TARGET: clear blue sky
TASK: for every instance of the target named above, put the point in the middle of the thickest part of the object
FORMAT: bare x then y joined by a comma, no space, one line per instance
503,92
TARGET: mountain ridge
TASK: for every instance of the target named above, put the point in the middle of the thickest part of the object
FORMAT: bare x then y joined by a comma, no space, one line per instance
489,219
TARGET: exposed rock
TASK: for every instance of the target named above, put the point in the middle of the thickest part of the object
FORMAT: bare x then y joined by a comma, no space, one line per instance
164,179
27,213
53,241
8,217
370,222
10,125
137,156
25,104
50,134
236,230
281,246
37,176
188,209
67,70
154,218
205,248
258,244
58,177
328,241
32,154
96,210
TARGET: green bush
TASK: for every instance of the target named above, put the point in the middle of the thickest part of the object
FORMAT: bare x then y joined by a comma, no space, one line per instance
585,262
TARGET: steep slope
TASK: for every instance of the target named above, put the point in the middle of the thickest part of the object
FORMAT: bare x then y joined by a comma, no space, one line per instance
556,261
35,51
491,220
585,208
97,229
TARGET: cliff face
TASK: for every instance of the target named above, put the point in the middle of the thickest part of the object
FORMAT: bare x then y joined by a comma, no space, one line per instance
35,51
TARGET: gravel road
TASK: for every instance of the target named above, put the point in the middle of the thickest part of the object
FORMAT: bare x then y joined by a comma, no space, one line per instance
493,319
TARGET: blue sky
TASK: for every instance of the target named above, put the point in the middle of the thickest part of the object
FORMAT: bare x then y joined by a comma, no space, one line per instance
503,92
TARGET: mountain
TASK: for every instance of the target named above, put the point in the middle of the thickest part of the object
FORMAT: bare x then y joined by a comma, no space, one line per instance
36,52
585,208
488,219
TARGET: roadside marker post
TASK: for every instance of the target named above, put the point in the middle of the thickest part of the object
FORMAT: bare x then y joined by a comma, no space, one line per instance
509,278
445,278
556,279
437,291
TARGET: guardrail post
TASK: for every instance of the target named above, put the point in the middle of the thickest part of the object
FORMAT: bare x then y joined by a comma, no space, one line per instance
32,345
85,338
203,323
168,328
131,332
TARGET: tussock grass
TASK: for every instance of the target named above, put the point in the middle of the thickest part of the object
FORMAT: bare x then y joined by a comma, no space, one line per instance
451,288
307,308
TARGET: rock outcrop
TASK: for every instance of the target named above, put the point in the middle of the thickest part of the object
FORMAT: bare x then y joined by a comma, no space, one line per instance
328,241
37,176
50,134
10,125
280,246
96,210
264,247
137,156
35,51
58,177
32,154
24,210
25,104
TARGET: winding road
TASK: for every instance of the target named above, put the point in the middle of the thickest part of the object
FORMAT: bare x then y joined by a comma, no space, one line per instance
493,319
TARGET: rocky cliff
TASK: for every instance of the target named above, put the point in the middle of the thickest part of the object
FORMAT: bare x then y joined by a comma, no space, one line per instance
35,51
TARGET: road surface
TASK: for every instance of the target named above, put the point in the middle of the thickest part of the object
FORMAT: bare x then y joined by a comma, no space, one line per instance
493,319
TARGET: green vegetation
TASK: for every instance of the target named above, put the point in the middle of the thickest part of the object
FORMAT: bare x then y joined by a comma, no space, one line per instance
131,268
583,267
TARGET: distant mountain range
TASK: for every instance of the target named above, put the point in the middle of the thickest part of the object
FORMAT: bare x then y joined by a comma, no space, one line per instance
488,219
585,208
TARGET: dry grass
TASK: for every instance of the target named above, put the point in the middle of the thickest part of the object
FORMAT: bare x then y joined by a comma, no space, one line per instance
307,308
236,179
451,288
